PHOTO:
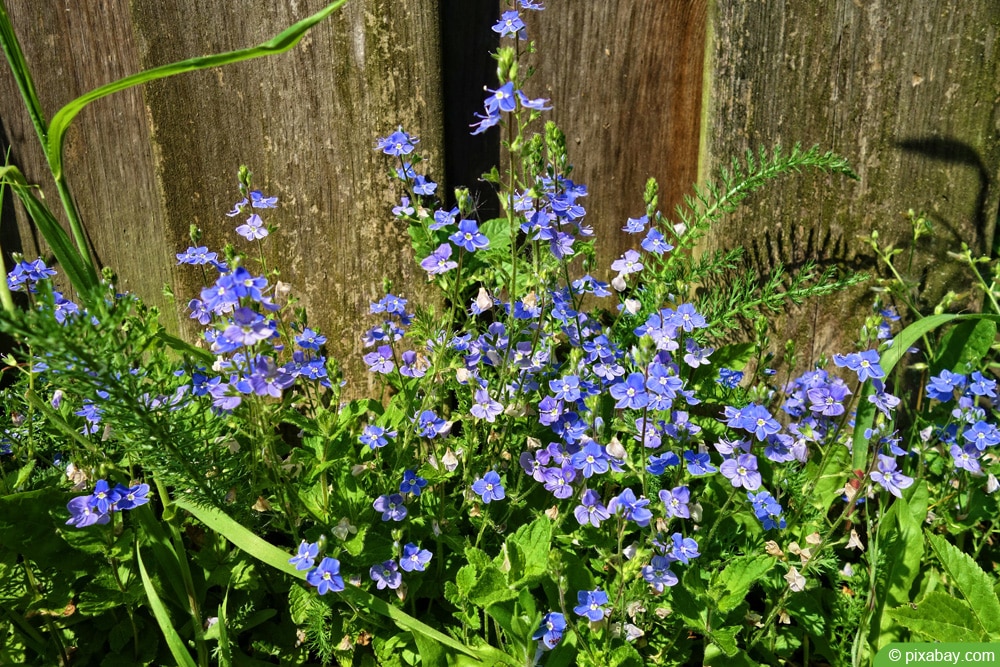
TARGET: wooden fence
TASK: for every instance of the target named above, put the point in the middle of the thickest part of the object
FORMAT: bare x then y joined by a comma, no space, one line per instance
908,91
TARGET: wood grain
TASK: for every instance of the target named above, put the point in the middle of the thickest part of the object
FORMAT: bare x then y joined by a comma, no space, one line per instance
909,91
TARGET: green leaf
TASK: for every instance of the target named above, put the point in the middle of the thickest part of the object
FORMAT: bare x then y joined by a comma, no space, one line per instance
76,267
901,543
939,617
277,558
730,587
491,587
497,230
975,585
465,579
725,639
225,652
27,527
694,612
965,345
178,345
174,642
888,360
625,656
533,541
734,356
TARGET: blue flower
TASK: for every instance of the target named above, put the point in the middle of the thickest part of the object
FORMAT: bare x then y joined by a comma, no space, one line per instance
655,243
631,393
636,225
306,556
658,573
199,255
412,483
326,577
510,24
891,479
130,497
414,559
628,263
966,458
676,501
590,510
83,514
865,364
699,464
253,229
469,237
982,435
489,488
422,186
742,471
942,386
591,604
380,361
682,548
397,143
103,499
386,575
501,99
429,425
657,465
626,504
982,386
729,378
375,436
551,630
310,340
485,407
592,459
391,506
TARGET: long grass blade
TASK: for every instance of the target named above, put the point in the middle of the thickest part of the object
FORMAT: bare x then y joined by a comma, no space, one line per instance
278,44
174,641
278,559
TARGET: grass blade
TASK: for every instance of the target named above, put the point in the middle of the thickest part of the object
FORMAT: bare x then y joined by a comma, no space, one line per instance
278,559
174,641
278,44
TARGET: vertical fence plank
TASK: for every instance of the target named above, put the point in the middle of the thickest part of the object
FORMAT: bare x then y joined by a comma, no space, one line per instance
72,50
305,122
625,83
908,91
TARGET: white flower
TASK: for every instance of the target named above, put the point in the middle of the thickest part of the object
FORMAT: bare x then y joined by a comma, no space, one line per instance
796,581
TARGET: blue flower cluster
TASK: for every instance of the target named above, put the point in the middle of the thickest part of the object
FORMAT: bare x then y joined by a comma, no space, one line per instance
326,576
97,507
243,327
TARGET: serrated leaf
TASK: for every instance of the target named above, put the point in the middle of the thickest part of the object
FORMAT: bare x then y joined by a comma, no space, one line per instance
693,612
732,584
533,541
497,230
465,579
625,656
941,618
971,581
491,587
725,639
477,558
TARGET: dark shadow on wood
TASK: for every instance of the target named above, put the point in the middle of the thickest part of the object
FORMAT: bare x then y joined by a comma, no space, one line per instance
953,151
